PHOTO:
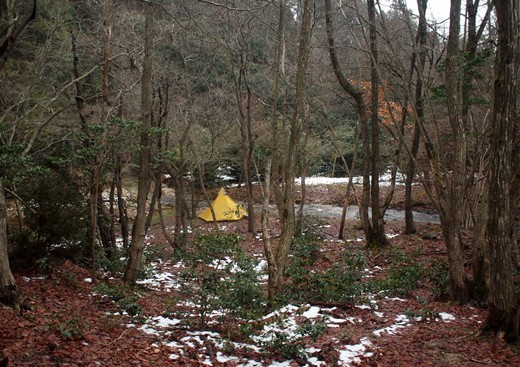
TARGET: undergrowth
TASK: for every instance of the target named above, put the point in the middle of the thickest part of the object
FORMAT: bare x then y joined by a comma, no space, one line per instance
221,280
403,275
291,345
339,283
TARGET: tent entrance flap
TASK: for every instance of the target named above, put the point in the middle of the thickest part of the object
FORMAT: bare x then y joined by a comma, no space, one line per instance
225,208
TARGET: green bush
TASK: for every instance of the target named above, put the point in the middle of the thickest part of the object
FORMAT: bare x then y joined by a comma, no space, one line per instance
307,240
130,305
113,292
291,345
438,274
403,275
422,315
125,299
221,278
240,292
115,263
70,329
282,343
55,219
340,283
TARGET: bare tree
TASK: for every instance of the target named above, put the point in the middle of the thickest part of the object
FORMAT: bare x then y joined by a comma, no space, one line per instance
422,33
277,256
243,94
137,244
374,231
272,160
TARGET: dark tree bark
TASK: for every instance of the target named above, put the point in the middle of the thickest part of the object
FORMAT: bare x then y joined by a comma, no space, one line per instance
504,303
376,237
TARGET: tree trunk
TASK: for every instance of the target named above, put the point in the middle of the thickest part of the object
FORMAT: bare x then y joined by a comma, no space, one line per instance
272,287
8,290
138,244
166,234
459,287
376,236
480,252
455,193
419,108
287,215
278,70
350,186
362,109
206,196
103,224
408,184
504,304
179,207
112,212
303,175
246,136
93,210
153,201
121,206
272,165
249,162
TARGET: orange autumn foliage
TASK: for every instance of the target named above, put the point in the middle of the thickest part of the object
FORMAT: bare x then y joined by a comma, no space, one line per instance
390,112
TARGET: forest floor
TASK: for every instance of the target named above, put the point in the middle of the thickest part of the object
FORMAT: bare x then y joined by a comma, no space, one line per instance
72,321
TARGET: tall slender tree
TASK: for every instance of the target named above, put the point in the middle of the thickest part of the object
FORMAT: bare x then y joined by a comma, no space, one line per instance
420,54
277,257
137,244
452,195
376,236
368,119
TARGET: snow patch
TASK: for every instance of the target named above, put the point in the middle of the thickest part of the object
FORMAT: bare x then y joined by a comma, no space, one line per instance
446,317
312,312
401,321
352,353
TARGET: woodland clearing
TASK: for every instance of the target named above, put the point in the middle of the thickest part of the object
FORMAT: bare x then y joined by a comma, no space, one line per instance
70,321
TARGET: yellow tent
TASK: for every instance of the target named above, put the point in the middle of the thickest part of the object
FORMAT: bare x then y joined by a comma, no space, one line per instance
225,209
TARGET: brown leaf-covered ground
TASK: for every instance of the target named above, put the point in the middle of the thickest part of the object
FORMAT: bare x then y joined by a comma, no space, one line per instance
68,323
